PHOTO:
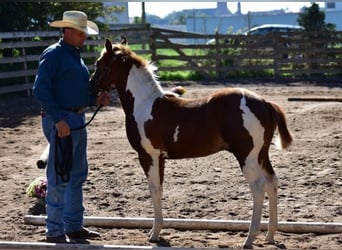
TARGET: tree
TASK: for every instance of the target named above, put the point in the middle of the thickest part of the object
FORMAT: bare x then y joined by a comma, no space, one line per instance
36,16
312,19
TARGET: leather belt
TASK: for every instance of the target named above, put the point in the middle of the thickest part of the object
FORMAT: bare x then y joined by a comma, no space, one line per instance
78,110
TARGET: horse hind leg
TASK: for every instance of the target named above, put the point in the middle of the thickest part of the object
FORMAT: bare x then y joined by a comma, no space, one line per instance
256,180
271,188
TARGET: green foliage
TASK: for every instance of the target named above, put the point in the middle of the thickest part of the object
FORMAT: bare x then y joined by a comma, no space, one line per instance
36,16
177,18
312,19
179,76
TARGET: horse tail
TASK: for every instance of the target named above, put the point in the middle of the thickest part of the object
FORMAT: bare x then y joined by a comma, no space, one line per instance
279,116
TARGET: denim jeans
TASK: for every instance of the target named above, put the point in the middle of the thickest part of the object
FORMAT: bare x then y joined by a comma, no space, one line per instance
64,200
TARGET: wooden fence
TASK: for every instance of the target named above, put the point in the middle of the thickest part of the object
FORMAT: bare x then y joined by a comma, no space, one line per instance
277,56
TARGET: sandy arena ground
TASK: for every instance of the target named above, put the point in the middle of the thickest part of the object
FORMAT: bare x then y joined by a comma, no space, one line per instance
310,175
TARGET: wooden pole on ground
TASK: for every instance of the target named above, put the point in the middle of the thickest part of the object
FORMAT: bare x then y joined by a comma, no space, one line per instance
315,99
41,163
9,245
199,224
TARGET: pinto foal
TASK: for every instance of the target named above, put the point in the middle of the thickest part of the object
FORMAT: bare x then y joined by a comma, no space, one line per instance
162,126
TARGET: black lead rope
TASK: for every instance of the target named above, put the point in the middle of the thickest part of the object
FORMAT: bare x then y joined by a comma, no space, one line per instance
63,157
63,151
91,119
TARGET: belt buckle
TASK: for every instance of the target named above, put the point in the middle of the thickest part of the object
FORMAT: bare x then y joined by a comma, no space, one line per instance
81,110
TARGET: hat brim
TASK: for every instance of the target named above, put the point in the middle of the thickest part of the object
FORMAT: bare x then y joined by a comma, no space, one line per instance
91,28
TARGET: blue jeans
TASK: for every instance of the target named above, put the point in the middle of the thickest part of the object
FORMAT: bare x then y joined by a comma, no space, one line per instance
64,200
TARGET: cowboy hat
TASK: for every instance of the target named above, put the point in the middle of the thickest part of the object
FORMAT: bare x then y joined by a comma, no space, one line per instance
76,20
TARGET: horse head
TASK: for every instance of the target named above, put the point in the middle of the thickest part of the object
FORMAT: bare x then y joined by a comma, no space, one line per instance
109,66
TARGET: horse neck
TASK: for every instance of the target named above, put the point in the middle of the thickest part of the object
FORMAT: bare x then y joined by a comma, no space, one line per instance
141,88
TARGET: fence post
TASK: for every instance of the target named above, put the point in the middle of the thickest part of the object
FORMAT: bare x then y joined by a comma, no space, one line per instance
153,46
217,57
28,91
276,64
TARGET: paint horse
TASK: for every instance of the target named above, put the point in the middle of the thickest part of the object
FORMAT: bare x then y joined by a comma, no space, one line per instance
161,125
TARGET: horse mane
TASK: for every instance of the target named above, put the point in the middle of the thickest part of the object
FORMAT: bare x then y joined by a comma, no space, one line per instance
144,67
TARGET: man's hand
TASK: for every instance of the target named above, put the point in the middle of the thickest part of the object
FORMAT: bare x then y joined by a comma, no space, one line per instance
63,129
103,99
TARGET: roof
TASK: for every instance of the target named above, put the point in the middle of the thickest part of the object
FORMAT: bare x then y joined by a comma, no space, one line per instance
276,26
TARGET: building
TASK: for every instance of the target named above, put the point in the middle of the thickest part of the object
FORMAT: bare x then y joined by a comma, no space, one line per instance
333,6
229,23
222,20
116,17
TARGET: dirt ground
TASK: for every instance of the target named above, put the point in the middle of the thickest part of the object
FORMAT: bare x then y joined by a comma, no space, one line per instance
310,175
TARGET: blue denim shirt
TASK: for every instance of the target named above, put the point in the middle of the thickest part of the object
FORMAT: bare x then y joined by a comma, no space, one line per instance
62,80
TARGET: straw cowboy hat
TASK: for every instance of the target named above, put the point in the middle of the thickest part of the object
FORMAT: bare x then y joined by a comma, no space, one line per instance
77,20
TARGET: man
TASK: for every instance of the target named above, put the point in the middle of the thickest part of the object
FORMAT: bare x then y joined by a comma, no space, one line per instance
62,88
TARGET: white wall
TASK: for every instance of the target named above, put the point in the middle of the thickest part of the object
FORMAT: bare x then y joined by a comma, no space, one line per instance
241,23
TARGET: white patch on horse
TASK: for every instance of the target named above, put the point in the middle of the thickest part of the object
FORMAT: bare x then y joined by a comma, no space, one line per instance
252,170
175,134
140,82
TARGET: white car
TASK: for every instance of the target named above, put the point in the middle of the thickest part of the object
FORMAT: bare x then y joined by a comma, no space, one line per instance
268,28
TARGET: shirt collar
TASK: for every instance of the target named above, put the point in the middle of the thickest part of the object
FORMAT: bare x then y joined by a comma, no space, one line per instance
69,47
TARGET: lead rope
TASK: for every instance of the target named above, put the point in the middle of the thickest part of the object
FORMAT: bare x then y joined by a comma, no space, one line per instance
63,157
63,162
91,119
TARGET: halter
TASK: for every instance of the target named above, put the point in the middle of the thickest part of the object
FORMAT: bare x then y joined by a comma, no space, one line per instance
95,89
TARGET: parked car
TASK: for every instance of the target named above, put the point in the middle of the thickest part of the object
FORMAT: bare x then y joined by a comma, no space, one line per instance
265,29
268,28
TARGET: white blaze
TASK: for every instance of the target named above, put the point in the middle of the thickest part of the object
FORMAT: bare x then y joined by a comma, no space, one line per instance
175,135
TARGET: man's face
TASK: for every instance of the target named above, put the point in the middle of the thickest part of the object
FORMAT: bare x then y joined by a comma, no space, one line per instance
75,37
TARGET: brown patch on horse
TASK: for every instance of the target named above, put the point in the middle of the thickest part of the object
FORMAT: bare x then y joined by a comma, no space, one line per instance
205,126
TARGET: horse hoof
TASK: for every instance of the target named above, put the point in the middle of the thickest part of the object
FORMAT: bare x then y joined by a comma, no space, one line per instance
161,242
153,240
247,246
270,240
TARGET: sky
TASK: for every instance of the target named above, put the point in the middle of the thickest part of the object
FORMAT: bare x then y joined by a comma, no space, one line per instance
162,9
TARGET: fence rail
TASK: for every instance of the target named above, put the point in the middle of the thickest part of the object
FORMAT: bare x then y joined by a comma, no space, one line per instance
277,56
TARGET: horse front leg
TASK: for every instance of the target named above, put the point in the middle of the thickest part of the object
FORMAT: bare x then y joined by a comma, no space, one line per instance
155,181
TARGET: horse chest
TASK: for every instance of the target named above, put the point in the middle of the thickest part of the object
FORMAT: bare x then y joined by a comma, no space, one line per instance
136,132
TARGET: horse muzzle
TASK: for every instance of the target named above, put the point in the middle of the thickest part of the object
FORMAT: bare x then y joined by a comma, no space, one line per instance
94,87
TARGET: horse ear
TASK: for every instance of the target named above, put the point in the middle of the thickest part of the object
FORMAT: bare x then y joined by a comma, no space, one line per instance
108,45
123,40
